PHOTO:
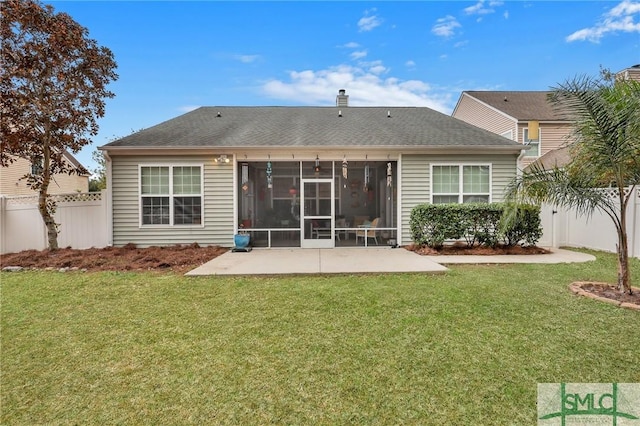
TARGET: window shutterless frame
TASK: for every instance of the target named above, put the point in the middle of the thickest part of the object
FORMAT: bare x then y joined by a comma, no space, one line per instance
170,195
531,143
458,192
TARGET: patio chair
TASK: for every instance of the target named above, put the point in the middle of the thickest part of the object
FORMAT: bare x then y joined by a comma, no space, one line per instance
368,231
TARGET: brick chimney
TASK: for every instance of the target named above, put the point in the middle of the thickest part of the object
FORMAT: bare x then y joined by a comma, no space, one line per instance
342,100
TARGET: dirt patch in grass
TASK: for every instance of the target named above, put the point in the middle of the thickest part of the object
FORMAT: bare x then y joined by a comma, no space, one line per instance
607,292
178,258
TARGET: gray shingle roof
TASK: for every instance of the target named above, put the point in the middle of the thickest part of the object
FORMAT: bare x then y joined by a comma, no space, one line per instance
524,106
312,126
557,158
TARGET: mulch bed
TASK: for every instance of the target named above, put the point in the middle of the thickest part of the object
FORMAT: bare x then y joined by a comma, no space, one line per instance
179,258
607,293
463,249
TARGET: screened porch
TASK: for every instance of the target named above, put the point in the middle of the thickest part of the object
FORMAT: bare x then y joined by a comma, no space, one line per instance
319,204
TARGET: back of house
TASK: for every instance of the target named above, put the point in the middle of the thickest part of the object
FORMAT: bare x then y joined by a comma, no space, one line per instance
298,176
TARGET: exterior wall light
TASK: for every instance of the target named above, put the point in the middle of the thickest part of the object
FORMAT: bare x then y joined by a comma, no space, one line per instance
222,159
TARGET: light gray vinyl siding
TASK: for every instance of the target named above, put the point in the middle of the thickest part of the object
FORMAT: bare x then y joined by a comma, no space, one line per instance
416,181
217,199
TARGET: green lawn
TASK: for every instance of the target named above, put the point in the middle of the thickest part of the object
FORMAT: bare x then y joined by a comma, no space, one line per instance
466,348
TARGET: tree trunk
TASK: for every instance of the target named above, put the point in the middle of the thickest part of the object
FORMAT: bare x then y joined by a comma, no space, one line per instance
624,274
624,277
47,218
46,208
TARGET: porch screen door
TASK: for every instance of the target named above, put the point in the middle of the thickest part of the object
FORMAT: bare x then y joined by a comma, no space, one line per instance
317,213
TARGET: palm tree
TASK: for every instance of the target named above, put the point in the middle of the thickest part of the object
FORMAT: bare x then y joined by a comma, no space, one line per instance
605,157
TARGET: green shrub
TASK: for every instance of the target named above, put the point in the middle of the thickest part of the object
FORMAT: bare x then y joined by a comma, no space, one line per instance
433,224
526,229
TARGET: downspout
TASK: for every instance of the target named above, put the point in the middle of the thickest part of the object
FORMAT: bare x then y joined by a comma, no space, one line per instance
109,198
518,162
398,200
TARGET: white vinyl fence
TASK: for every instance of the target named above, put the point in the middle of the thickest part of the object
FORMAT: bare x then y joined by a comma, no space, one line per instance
565,228
83,224
82,218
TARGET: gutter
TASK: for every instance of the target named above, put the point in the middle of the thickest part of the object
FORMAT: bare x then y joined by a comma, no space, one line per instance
312,151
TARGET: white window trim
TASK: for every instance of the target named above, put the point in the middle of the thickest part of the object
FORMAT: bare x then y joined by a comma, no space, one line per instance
460,193
171,195
525,133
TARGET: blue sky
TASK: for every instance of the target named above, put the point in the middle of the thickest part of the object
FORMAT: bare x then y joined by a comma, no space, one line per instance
175,56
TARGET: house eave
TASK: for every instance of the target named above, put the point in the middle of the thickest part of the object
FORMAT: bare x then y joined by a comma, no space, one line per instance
310,152
527,120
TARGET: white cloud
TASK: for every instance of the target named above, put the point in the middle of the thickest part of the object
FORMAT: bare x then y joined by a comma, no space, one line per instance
364,86
625,8
369,22
461,43
358,54
445,27
479,8
620,18
247,59
410,64
375,67
350,45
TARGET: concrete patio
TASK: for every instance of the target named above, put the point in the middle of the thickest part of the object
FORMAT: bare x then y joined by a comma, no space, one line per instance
359,260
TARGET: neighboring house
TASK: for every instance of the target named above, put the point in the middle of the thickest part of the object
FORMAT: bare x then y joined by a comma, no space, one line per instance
557,158
297,176
561,157
526,117
12,180
631,73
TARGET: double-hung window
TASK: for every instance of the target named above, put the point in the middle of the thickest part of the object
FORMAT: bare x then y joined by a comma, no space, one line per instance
532,145
457,183
171,195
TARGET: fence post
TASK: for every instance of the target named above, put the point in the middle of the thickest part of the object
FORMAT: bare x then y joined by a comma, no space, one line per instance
3,219
105,201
